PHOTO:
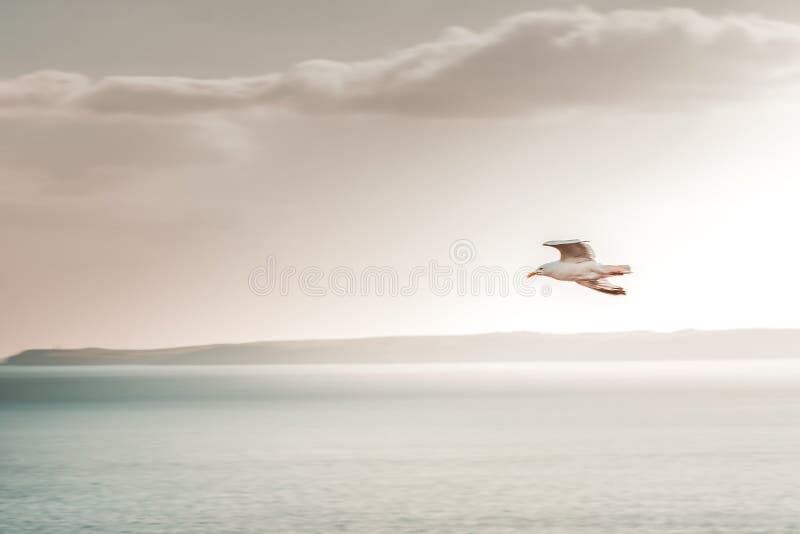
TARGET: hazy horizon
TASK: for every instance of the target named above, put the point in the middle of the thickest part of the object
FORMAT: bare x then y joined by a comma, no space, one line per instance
368,337
723,346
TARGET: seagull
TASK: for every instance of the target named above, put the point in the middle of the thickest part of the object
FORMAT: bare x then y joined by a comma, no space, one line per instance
578,265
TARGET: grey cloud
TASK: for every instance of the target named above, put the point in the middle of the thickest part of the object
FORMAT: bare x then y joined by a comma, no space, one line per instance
532,61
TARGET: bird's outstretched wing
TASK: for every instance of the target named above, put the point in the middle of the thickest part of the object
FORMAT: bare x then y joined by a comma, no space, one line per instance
603,286
573,250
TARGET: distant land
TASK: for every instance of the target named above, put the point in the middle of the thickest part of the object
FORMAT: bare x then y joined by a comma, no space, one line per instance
496,347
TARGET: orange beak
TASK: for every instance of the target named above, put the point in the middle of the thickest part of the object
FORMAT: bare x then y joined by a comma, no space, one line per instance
531,274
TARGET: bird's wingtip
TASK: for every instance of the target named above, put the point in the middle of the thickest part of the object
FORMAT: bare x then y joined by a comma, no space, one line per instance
563,242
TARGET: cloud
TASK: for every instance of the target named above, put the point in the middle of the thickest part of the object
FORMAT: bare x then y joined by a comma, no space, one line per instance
526,63
47,88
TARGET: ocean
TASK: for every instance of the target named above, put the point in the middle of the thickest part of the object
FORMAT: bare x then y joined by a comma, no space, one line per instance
547,447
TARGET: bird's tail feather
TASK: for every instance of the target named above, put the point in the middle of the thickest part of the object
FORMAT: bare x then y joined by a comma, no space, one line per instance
616,270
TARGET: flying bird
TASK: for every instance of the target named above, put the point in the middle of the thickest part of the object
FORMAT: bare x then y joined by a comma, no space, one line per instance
579,265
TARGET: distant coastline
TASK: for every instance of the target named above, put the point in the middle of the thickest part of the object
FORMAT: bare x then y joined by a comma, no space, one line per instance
514,346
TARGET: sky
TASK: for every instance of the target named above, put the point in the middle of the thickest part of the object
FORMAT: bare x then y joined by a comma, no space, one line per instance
158,158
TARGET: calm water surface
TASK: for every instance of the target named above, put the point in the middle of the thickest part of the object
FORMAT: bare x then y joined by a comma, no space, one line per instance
633,447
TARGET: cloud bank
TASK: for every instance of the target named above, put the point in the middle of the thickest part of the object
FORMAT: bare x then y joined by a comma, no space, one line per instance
526,63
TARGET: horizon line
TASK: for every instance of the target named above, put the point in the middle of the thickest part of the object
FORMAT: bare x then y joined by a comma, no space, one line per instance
403,336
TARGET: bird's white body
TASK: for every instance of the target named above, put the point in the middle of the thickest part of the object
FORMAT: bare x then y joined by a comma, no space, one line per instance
578,265
572,272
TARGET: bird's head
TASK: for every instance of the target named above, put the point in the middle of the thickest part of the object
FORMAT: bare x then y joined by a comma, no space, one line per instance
544,270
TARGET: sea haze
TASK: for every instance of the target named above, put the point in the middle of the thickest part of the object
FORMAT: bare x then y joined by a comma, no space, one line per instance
554,447
509,346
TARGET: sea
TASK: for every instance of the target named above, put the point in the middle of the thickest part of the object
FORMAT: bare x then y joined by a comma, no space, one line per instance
542,447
